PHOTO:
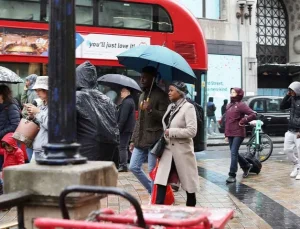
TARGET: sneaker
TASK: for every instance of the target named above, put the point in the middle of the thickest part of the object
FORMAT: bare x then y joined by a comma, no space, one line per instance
246,171
123,169
298,177
295,172
230,180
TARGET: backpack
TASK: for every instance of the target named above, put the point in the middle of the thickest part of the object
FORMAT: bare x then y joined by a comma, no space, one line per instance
200,121
252,159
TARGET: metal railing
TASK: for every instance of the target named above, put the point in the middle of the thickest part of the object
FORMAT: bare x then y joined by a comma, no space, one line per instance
16,199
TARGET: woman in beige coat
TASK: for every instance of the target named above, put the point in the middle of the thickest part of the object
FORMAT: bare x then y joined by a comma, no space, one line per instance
179,152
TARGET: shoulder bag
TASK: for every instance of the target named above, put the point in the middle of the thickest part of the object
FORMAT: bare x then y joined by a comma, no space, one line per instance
159,146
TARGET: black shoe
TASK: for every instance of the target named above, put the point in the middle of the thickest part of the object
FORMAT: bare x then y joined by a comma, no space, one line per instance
247,171
123,169
230,180
175,188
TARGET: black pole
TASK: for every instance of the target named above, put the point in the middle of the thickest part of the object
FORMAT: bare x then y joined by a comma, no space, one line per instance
62,149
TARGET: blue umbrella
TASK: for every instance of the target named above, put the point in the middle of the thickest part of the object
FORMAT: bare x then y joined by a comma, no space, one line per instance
169,64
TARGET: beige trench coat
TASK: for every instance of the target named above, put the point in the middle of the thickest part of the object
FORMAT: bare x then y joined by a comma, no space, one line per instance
180,147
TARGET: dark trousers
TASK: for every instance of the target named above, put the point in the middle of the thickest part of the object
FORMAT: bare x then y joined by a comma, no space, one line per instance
1,161
234,144
123,148
161,195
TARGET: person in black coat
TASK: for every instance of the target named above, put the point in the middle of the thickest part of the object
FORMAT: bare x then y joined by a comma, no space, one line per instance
223,108
97,127
9,114
126,123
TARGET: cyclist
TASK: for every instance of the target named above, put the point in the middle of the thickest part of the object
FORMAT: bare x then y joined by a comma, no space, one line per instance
235,131
292,136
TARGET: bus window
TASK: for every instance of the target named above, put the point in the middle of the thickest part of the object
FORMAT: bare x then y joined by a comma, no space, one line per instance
125,15
22,10
164,21
83,11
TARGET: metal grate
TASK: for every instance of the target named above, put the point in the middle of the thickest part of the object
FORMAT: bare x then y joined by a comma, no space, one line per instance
271,32
187,50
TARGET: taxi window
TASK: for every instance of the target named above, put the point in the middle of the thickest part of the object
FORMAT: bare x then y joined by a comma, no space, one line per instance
273,105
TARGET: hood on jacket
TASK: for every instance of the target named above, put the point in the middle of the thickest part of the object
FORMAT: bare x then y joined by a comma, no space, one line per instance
10,140
86,76
295,86
31,78
240,94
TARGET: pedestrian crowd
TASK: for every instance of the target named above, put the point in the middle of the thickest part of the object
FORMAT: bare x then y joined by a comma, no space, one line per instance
165,132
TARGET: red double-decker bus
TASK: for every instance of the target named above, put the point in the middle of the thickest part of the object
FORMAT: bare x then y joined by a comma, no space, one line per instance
105,28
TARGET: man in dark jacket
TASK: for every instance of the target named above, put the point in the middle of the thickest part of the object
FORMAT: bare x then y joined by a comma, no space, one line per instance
211,108
97,127
292,136
148,129
223,108
126,123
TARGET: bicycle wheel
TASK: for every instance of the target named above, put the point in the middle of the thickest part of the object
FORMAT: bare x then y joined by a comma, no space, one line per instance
265,149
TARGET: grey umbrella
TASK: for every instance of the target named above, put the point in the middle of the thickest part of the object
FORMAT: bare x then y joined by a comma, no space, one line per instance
117,79
8,76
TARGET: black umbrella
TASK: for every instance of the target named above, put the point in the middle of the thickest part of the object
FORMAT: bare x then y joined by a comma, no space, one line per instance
8,76
117,79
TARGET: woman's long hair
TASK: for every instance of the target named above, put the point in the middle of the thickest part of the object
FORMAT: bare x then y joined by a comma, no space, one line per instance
6,93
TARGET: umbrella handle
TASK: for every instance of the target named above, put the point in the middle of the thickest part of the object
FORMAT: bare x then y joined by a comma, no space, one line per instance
142,103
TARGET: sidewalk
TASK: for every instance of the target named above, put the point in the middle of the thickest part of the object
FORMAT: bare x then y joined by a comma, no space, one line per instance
268,200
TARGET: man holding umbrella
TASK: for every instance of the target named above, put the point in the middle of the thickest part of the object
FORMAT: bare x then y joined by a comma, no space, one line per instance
153,102
148,129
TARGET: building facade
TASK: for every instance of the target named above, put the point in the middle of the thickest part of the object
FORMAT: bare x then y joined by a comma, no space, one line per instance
257,47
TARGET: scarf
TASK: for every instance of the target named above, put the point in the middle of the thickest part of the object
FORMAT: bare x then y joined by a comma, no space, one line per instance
174,107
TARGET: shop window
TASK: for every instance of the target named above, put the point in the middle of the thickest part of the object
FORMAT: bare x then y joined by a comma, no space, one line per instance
83,11
28,10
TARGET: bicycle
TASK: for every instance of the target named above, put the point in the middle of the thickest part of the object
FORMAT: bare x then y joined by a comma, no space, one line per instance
260,144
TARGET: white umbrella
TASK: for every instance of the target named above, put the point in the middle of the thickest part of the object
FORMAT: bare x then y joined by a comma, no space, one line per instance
8,76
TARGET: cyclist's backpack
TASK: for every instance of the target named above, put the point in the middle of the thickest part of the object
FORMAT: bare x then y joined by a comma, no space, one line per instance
251,158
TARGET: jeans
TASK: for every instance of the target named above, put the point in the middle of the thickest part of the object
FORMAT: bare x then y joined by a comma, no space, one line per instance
209,118
1,186
29,153
234,144
124,141
161,195
137,159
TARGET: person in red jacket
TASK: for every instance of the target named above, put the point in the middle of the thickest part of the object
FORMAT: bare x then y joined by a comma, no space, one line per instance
237,114
13,155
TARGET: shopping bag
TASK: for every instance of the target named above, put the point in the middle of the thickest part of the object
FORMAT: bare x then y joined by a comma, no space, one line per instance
169,199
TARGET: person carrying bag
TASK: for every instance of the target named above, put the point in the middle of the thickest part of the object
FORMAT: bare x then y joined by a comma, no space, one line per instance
180,127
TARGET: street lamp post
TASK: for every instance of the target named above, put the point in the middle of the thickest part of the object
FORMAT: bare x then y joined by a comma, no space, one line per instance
62,148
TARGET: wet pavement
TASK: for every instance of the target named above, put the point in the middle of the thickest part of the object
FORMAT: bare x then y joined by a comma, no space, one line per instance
268,200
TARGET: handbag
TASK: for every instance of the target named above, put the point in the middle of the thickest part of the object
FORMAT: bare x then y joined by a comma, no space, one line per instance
26,132
159,146
169,198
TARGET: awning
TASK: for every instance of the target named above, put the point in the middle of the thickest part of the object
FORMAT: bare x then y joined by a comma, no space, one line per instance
279,69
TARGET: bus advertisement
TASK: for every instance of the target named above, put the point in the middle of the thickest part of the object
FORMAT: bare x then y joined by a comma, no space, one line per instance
105,28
